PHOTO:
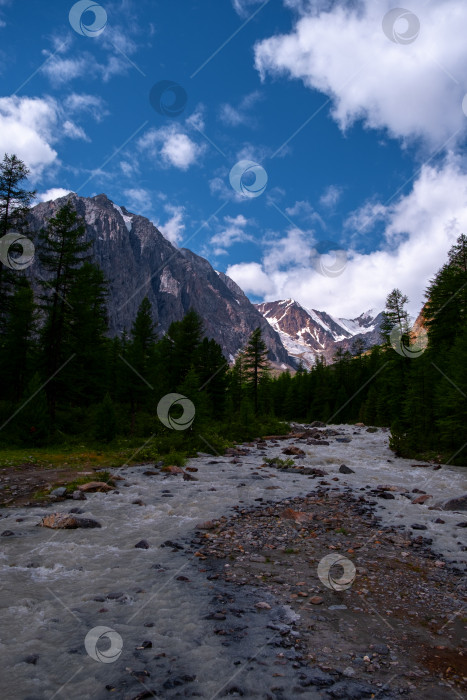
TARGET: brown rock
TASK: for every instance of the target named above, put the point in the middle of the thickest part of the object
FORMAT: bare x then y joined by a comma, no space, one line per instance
296,516
65,521
316,600
172,469
292,451
93,486
422,499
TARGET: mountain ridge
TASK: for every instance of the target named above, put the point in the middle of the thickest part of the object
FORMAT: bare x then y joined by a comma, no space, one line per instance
138,261
308,334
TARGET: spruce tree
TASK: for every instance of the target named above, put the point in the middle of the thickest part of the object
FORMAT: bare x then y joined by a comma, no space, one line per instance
15,201
255,362
62,252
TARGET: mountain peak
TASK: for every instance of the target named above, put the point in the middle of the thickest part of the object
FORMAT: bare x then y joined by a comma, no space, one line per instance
308,334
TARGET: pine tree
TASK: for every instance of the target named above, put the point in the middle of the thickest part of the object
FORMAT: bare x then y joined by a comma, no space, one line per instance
395,315
106,420
18,348
255,363
14,206
61,254
84,336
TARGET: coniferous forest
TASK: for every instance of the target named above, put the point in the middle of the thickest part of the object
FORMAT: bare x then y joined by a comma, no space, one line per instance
65,381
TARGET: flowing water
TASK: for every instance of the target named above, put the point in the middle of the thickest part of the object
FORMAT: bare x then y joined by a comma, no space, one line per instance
55,583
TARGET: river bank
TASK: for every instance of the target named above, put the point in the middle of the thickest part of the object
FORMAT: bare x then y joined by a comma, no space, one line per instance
192,620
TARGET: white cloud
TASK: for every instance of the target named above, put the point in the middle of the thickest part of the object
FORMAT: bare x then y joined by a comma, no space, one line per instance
139,200
420,228
331,196
73,131
245,7
230,232
172,146
412,90
82,102
304,211
27,126
53,193
174,227
252,279
240,115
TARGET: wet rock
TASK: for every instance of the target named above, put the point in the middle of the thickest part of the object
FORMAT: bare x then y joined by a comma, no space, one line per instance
343,469
150,472
172,469
142,544
463,524
59,493
316,600
459,503
32,659
76,511
7,533
343,439
372,430
317,424
145,645
262,606
422,499
191,469
138,502
63,521
316,676
189,477
439,521
292,451
94,486
418,526
78,496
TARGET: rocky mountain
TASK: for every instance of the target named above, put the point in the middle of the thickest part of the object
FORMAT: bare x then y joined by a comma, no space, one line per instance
308,334
138,261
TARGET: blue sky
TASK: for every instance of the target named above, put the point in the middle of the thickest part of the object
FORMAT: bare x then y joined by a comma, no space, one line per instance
361,135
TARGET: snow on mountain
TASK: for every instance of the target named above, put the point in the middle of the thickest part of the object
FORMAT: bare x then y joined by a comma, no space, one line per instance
308,334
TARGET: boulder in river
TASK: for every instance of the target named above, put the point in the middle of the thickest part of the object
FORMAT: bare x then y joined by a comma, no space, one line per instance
344,469
65,521
459,503
93,486
293,451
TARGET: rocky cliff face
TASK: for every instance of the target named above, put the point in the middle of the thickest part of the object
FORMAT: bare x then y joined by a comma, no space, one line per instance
138,261
307,334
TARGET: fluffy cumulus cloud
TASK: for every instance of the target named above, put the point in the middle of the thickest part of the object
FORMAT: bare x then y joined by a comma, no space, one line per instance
174,227
171,146
411,91
231,231
31,127
52,194
27,129
419,229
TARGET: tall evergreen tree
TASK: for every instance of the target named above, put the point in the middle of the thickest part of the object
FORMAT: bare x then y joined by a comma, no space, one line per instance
62,252
255,362
14,206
